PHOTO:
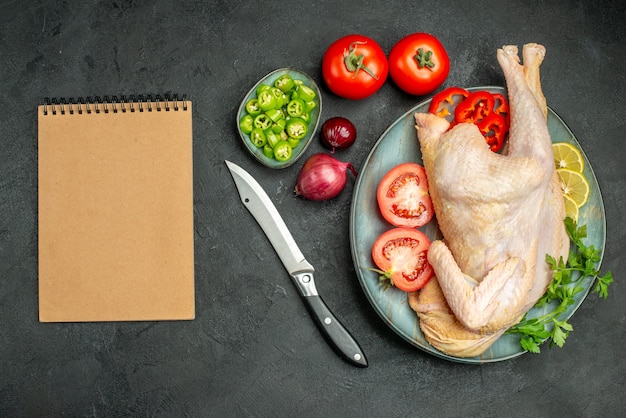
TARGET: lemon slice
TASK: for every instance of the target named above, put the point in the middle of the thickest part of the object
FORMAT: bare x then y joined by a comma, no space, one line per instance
574,185
568,156
571,210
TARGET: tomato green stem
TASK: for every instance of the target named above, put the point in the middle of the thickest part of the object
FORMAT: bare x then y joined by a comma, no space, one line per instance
384,278
354,62
424,59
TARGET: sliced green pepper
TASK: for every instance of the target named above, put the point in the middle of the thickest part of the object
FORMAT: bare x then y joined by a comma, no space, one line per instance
260,88
309,106
305,117
279,96
262,121
246,124
282,151
252,107
285,83
275,114
272,138
268,151
258,138
305,93
295,107
266,100
293,142
279,126
296,128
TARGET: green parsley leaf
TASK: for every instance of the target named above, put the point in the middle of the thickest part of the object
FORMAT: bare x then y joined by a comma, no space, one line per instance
602,285
567,282
560,332
530,344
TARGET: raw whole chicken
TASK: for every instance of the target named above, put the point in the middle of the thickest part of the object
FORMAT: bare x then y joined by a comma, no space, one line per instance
500,214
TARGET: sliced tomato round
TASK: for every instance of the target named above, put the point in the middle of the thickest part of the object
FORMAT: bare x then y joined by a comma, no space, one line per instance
401,254
403,197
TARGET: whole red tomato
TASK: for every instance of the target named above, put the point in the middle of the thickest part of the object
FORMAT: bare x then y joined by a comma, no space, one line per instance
419,63
354,67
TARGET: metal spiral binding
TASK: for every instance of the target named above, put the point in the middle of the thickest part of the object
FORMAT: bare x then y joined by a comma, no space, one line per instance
115,104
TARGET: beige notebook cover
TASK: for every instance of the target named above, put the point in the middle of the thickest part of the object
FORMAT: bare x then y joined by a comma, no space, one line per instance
115,211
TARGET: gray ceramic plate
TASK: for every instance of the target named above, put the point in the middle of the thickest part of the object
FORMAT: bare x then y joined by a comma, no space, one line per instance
304,142
399,144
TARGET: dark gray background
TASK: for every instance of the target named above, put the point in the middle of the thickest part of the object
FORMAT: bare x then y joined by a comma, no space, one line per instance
252,349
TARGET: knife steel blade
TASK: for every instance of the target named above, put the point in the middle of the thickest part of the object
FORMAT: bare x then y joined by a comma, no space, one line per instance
263,210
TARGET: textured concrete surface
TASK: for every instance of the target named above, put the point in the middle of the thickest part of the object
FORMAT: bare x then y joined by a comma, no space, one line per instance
252,349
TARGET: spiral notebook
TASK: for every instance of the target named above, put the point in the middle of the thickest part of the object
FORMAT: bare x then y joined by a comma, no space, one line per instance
115,210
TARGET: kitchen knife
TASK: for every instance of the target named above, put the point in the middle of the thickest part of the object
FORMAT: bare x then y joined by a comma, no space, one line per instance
261,207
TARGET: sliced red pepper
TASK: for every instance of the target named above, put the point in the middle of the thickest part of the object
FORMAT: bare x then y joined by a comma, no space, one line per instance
494,128
443,102
501,106
488,111
474,108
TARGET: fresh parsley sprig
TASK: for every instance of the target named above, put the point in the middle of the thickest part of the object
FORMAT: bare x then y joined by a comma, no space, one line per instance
582,262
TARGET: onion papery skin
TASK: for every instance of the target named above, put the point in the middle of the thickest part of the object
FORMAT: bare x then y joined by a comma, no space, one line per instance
322,177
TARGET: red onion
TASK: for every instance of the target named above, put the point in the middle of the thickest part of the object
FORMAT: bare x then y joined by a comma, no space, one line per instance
339,133
322,177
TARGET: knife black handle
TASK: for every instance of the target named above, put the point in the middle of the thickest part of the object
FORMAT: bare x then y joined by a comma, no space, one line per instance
334,332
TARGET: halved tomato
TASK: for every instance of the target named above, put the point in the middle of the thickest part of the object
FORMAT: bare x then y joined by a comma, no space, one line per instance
403,197
400,254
